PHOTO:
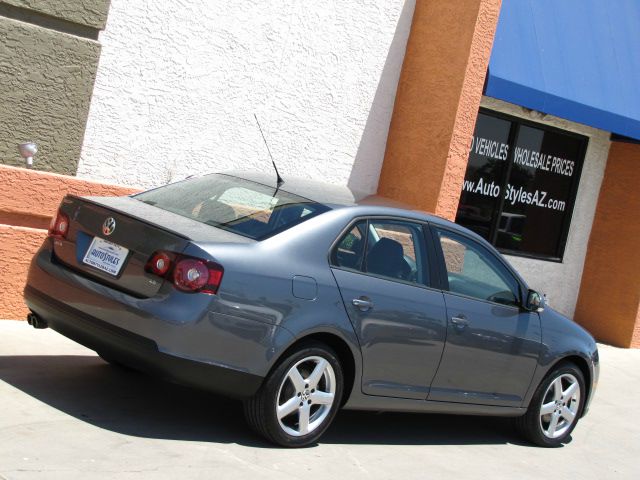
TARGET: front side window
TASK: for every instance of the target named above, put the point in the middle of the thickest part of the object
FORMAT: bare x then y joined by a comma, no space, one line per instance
390,249
241,206
475,272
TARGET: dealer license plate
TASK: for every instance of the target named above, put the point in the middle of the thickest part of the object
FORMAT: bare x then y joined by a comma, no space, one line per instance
105,256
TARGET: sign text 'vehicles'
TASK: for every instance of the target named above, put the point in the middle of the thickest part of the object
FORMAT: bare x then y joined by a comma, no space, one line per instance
490,148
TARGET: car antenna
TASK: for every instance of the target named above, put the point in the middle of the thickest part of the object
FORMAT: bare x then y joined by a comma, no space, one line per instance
280,181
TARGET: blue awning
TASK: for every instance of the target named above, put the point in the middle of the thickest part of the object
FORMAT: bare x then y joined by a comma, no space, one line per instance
576,59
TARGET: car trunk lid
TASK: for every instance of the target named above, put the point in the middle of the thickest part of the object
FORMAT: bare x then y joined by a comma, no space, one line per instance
111,239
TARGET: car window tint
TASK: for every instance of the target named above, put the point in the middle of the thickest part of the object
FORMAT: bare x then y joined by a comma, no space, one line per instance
248,203
473,271
394,250
349,252
234,204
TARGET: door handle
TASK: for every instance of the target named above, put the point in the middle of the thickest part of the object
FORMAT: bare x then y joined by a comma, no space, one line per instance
459,323
362,303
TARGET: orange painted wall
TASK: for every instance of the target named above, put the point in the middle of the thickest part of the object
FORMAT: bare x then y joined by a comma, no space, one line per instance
437,103
17,247
28,199
609,300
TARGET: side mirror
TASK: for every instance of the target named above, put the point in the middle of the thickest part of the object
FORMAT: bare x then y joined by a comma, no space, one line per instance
535,301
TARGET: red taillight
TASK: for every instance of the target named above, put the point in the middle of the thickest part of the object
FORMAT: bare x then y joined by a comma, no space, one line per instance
159,264
188,274
215,278
193,275
59,226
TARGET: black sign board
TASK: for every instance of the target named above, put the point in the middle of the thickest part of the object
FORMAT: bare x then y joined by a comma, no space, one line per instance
521,184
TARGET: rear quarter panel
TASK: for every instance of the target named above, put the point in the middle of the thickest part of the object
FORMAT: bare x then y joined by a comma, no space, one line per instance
258,285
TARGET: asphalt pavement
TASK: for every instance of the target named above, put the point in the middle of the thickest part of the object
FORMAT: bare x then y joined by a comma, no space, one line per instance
65,414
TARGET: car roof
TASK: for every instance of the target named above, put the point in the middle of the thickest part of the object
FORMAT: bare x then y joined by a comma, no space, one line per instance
320,192
340,196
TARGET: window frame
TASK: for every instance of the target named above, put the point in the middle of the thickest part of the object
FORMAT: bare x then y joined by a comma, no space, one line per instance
443,272
429,263
516,123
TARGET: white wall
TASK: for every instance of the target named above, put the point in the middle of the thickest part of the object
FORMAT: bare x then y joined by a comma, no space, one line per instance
178,83
561,281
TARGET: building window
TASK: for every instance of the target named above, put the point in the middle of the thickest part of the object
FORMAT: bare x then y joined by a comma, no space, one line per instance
521,184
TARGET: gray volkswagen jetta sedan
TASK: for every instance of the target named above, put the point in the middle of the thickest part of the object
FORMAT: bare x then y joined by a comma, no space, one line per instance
305,298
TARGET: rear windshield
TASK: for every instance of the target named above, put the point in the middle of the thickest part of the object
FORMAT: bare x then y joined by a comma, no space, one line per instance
250,209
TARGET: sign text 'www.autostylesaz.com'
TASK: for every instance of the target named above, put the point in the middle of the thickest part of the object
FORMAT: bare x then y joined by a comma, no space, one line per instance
515,195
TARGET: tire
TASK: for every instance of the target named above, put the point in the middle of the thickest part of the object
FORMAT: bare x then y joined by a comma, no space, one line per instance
562,407
308,400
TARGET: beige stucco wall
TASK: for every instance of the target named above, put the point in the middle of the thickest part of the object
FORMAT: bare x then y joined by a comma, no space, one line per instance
47,78
92,13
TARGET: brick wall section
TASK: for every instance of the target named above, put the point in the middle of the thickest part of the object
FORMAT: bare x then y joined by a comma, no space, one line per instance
29,198
17,247
609,301
437,103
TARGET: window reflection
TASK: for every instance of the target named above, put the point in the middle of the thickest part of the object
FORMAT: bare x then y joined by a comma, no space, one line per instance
520,185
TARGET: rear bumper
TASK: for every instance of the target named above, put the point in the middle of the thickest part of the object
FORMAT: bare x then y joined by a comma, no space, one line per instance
190,338
138,351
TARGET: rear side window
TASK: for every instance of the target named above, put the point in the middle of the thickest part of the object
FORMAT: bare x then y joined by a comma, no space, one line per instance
250,209
350,250
390,249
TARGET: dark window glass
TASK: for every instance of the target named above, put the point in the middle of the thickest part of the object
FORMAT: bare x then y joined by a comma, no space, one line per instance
539,191
394,250
486,169
350,250
475,272
231,203
384,248
520,185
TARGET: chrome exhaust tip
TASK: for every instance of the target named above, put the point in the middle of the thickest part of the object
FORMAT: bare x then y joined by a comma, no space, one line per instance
35,321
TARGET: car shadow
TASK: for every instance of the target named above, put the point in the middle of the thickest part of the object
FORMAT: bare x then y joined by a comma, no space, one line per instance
131,403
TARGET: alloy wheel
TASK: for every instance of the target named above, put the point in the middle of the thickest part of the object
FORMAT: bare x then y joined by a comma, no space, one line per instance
305,396
560,404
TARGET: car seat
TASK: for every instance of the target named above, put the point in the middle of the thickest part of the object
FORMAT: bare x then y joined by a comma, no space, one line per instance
386,258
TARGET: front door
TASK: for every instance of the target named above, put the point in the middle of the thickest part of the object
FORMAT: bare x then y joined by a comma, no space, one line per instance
381,269
492,344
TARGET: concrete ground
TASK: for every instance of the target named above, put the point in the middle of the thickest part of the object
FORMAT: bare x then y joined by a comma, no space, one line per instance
65,414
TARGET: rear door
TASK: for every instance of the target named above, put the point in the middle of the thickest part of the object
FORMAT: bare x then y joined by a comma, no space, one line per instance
492,344
382,269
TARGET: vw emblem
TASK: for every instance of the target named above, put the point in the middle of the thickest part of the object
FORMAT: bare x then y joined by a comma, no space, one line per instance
109,226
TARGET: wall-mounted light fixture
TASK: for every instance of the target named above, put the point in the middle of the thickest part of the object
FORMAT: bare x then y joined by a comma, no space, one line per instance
27,151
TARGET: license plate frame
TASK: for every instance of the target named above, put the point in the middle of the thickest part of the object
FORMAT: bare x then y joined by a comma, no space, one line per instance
106,256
